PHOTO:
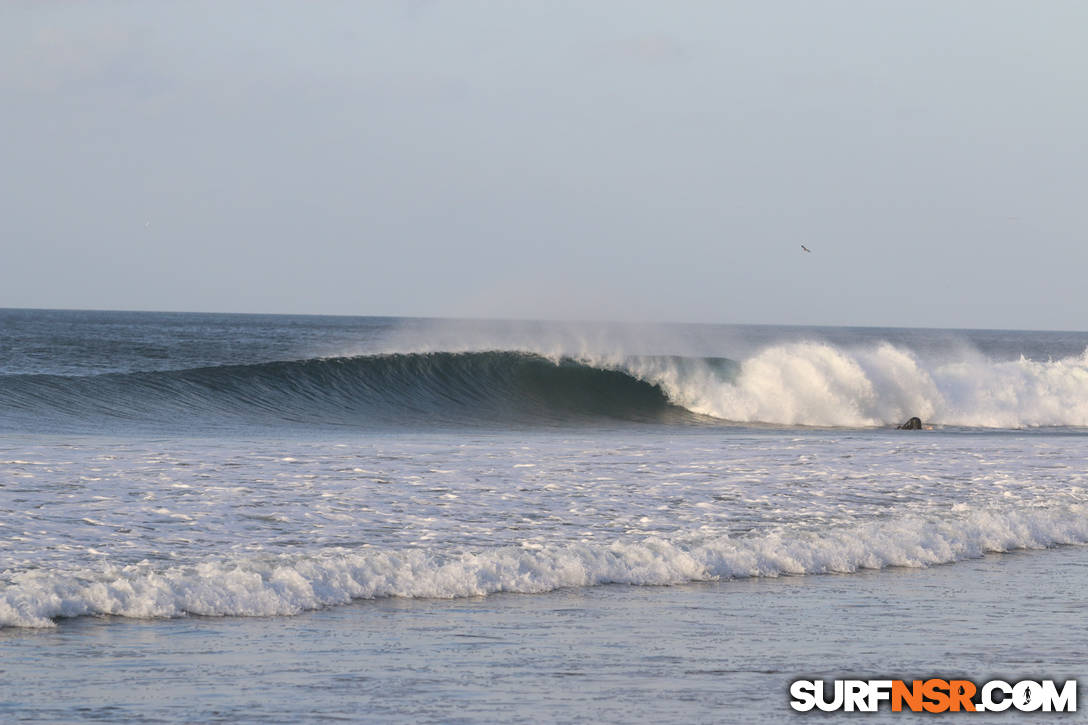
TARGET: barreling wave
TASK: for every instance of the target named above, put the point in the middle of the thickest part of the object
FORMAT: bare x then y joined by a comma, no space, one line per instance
379,390
290,584
794,384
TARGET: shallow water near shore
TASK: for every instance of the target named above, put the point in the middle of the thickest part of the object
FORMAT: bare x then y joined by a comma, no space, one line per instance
715,652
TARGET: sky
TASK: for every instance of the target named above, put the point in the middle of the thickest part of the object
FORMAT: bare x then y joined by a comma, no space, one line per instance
601,160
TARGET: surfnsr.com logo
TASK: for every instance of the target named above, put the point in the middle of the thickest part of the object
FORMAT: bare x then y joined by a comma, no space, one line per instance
933,695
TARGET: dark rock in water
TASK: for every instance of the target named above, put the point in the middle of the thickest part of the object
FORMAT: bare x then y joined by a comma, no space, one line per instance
912,424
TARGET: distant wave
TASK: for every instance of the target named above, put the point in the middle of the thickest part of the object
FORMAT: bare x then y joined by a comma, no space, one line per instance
801,383
289,584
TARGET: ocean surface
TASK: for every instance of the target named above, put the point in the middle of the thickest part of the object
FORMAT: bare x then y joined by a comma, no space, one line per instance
292,518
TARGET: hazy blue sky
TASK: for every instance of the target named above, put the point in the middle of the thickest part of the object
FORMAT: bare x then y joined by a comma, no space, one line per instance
586,160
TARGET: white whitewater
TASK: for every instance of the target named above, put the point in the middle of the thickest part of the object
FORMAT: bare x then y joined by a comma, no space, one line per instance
819,384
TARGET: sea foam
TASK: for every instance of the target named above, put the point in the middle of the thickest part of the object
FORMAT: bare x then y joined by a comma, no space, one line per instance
290,584
820,384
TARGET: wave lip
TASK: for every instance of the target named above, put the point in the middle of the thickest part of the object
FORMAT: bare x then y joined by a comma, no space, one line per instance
290,584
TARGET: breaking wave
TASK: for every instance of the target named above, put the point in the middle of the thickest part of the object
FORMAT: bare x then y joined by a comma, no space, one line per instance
800,383
290,584
377,390
819,384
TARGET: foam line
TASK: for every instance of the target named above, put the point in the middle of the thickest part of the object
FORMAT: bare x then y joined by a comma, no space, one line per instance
286,585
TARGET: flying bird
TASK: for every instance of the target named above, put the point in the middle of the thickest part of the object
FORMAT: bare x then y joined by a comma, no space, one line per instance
806,249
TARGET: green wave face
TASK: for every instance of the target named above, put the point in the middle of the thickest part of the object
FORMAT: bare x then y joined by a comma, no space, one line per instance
417,389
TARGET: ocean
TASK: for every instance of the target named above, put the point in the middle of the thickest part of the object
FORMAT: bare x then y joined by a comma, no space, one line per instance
266,518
